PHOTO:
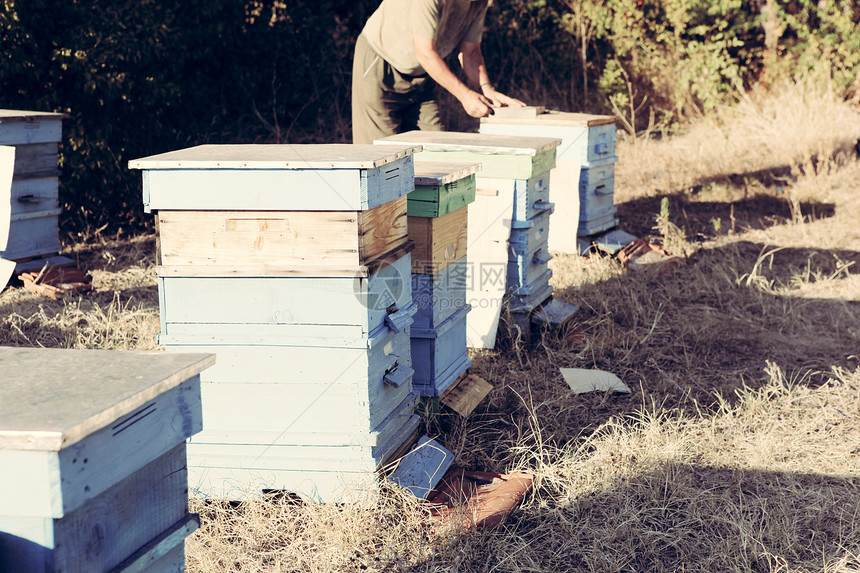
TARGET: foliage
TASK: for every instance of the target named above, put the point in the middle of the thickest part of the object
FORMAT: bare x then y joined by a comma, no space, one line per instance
139,77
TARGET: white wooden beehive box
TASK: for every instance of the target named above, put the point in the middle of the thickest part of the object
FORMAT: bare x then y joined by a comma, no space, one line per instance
92,458
585,139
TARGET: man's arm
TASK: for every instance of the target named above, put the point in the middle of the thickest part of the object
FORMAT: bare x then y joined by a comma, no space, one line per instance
475,104
472,61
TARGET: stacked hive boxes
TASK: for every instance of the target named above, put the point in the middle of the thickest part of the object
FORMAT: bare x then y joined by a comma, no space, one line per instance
92,459
292,265
438,221
517,170
583,180
34,208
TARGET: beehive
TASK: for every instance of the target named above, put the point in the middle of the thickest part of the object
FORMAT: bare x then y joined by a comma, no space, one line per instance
512,196
33,208
92,458
291,263
579,192
439,279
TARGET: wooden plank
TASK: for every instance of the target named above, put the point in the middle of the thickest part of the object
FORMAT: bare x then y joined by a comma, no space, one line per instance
509,112
550,117
439,241
227,238
78,392
276,156
472,142
439,172
464,396
382,229
36,160
332,239
104,531
439,200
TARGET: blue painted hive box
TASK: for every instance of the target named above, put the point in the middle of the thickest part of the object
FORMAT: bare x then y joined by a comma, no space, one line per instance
34,206
438,296
92,458
528,253
441,188
586,140
531,197
596,197
439,354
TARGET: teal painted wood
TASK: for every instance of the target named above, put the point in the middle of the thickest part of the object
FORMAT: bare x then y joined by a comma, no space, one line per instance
579,143
53,483
359,305
280,413
435,351
107,529
286,335
442,198
440,295
34,195
265,363
248,477
423,467
23,127
227,182
32,234
596,190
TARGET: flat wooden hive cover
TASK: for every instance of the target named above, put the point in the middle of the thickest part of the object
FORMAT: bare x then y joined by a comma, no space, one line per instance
554,118
22,115
474,142
51,398
276,156
439,173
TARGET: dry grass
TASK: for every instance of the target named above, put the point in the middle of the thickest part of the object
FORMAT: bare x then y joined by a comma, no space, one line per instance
739,448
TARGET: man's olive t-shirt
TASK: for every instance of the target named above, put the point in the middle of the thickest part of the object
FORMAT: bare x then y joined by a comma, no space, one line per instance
389,30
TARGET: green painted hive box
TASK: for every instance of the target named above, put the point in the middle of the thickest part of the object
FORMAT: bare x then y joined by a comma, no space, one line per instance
441,188
500,156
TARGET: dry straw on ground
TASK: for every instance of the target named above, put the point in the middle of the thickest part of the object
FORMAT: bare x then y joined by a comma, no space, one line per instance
739,449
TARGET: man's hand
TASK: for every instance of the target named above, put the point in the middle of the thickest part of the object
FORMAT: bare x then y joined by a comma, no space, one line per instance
501,100
476,105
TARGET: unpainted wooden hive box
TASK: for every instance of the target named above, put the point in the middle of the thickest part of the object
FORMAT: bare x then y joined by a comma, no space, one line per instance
92,458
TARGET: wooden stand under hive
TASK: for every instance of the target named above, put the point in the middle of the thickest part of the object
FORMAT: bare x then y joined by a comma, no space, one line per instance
439,228
291,263
583,180
32,211
92,459
513,186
